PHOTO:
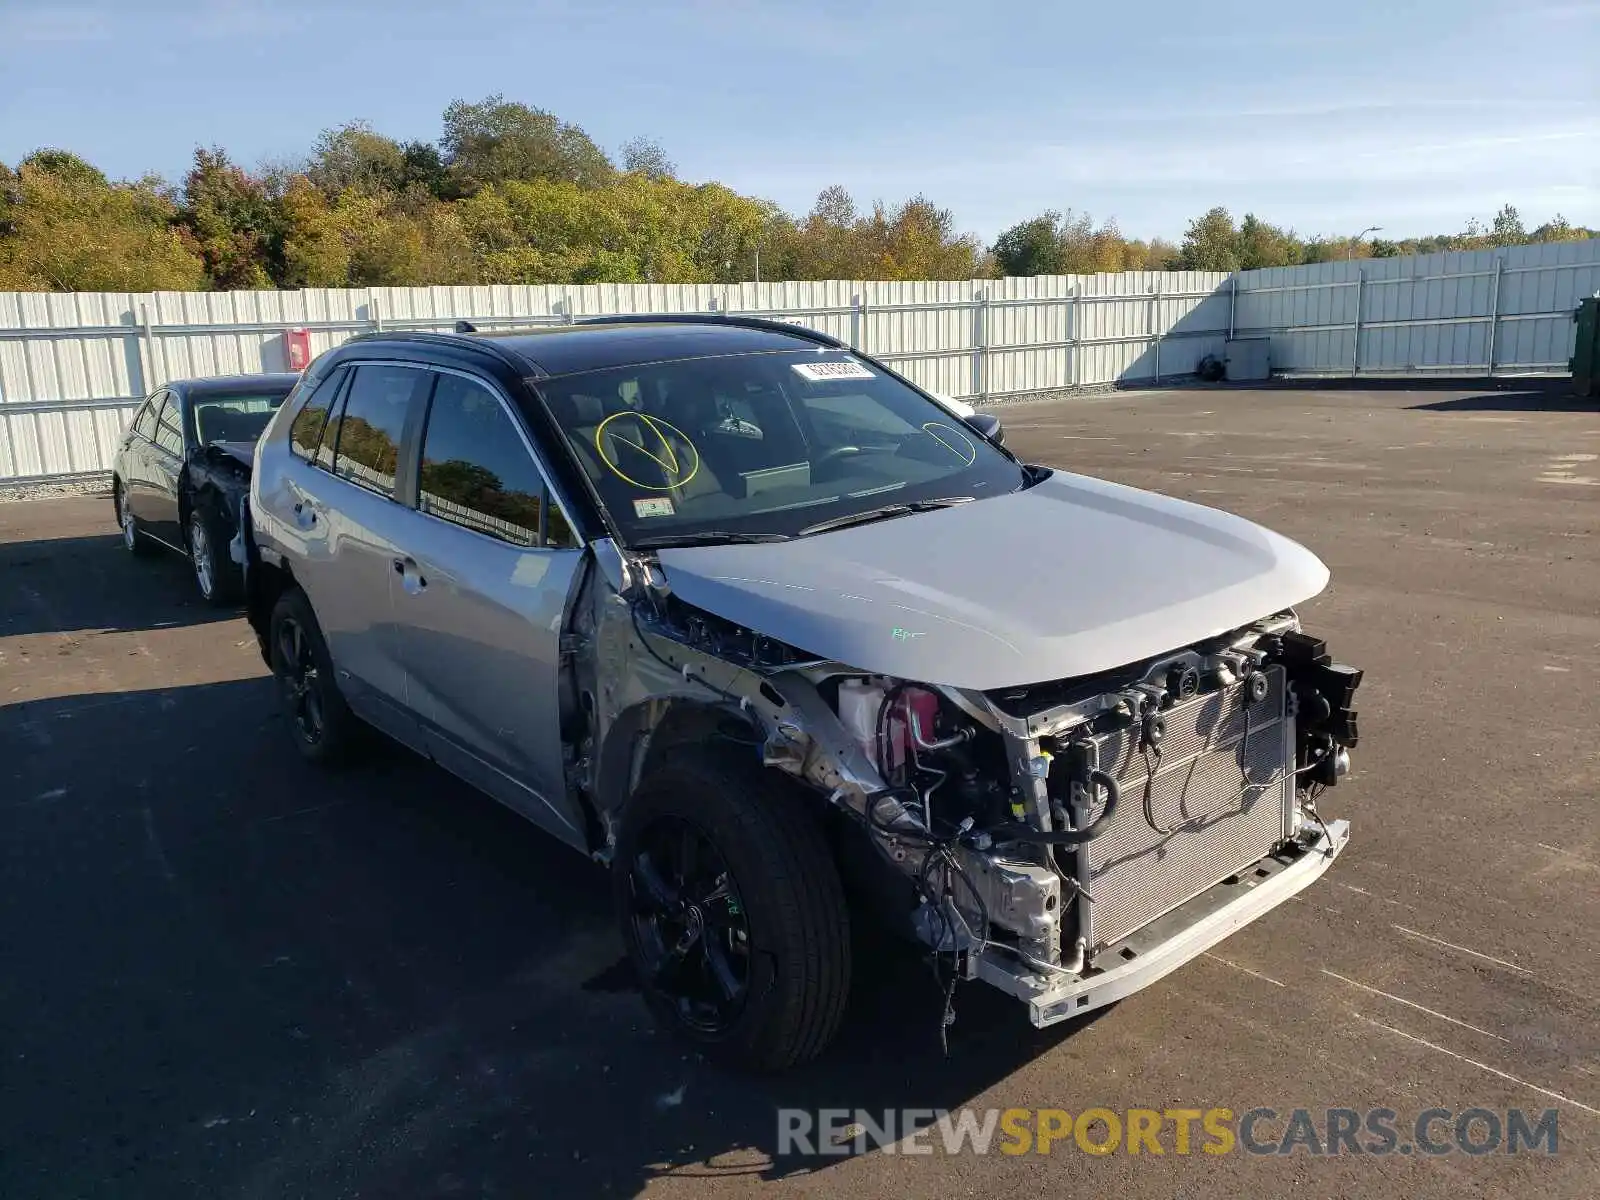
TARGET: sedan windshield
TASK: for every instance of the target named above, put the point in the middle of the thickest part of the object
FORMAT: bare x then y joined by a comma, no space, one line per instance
234,418
764,446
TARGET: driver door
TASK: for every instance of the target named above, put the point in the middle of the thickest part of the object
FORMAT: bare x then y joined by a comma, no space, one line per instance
483,575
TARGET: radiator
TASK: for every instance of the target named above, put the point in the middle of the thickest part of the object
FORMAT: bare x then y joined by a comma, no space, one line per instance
1217,824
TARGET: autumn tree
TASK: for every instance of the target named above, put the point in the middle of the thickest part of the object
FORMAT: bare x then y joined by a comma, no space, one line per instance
234,220
64,227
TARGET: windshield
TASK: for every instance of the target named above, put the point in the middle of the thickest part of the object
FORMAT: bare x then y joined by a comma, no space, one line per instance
228,418
765,444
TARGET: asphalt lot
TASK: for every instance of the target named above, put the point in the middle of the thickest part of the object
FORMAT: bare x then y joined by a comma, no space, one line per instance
224,974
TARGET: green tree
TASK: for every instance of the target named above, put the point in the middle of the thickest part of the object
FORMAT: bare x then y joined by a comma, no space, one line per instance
642,156
500,141
67,167
1506,229
76,232
423,166
1211,243
351,157
1031,247
1260,244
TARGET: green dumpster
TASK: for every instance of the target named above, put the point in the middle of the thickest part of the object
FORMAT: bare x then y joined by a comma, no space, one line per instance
1586,348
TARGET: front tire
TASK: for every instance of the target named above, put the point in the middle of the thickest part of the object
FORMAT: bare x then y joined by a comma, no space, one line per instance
322,724
215,574
732,911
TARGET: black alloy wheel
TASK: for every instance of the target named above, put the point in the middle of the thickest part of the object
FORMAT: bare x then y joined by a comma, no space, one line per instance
689,924
301,680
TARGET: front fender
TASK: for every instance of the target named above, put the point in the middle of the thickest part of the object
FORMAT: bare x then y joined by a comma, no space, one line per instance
644,731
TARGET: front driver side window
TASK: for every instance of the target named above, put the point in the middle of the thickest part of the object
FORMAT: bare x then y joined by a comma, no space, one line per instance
477,472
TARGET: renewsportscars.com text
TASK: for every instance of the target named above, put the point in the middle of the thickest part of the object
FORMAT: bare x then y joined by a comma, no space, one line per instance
1169,1131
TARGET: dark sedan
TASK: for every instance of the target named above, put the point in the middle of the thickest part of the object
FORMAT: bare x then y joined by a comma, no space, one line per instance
184,466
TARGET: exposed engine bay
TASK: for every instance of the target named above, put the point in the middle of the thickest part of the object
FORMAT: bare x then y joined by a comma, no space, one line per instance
1043,838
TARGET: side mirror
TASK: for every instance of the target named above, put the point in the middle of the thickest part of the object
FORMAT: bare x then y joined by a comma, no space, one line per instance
989,426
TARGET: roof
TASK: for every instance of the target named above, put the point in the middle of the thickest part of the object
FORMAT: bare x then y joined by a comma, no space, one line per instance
237,385
570,349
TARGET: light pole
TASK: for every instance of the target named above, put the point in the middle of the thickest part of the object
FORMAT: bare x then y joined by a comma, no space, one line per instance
1350,250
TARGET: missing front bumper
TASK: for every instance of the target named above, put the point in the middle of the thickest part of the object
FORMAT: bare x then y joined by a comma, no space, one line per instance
1166,944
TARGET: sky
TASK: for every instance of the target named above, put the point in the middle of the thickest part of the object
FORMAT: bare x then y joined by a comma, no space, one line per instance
1327,117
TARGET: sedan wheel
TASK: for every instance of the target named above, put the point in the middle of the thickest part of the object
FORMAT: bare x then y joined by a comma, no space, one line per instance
201,555
131,541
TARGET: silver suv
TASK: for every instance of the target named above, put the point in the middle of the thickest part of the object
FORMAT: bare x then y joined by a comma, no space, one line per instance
753,620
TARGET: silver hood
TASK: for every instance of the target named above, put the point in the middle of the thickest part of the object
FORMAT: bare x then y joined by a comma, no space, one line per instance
1072,576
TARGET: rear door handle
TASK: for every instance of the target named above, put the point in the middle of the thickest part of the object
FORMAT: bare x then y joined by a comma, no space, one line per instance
411,576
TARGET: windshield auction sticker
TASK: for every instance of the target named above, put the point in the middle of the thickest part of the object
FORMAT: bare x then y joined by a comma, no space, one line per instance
827,372
655,506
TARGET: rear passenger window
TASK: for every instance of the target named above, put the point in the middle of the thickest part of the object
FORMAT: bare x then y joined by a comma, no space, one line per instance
371,424
305,431
145,423
169,426
476,471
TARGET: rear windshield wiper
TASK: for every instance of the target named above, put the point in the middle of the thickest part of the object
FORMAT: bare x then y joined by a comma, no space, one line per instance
884,513
704,537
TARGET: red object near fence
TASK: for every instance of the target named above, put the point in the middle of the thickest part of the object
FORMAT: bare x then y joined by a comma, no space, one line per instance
297,342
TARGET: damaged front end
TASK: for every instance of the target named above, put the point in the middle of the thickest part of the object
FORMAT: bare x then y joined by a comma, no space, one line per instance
1068,842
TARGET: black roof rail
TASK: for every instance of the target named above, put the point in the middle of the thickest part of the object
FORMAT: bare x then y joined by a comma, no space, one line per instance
716,318
456,338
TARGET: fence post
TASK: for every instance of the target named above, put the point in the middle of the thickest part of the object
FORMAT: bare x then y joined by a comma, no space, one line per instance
372,311
1233,299
1155,314
1494,307
149,350
859,340
1150,317
1355,352
983,343
1072,336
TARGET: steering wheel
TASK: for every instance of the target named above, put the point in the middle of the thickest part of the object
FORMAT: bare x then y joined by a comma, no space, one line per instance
833,455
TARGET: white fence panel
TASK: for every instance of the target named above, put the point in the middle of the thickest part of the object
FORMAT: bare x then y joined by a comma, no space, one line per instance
1504,311
72,367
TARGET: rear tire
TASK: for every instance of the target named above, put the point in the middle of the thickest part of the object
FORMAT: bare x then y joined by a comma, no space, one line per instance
216,575
133,541
764,911
324,729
